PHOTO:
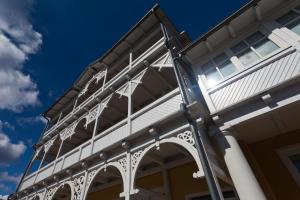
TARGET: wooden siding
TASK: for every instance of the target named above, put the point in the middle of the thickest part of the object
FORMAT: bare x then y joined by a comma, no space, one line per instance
268,74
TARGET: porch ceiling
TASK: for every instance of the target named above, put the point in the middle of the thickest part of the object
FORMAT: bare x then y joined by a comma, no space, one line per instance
277,122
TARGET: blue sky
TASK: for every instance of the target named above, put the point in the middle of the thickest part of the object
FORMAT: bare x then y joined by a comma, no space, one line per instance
45,45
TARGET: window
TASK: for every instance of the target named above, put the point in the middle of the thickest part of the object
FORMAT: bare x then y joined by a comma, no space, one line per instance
291,20
218,68
291,158
253,48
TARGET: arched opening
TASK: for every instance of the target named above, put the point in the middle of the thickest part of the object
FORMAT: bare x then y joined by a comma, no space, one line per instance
107,185
52,152
64,192
167,173
82,133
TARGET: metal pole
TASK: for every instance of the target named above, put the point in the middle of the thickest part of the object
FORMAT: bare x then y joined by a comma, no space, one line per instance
211,179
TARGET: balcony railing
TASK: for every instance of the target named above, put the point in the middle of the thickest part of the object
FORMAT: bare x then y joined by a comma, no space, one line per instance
161,109
139,60
275,70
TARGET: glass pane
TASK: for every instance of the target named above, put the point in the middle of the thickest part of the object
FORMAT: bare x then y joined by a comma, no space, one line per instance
220,58
247,57
239,47
208,66
213,77
296,161
254,38
295,26
265,47
227,68
287,18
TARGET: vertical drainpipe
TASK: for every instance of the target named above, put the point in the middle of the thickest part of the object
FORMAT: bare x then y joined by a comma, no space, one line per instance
198,132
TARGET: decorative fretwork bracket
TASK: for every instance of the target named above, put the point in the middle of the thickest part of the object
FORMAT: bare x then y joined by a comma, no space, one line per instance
98,76
124,90
78,187
48,144
163,62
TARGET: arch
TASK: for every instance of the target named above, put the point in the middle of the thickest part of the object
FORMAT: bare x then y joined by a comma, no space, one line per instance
69,184
173,140
116,165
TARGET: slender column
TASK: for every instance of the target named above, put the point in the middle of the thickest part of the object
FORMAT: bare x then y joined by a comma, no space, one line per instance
95,130
242,176
129,106
128,154
84,189
128,179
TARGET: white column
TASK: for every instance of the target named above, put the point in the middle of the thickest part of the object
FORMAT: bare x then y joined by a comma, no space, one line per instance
242,176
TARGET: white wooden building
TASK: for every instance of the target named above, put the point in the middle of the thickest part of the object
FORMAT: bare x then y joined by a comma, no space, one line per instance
123,130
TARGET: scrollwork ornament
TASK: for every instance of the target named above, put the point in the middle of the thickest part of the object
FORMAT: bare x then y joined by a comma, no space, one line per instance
135,157
50,193
187,136
123,163
90,177
78,185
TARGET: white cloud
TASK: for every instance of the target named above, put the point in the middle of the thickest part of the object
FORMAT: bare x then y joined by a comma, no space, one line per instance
31,120
4,124
9,151
3,197
18,40
5,177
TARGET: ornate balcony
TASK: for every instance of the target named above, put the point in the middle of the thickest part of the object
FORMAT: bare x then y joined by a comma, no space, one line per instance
156,112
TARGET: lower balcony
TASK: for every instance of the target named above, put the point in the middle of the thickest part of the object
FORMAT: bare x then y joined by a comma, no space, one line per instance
162,109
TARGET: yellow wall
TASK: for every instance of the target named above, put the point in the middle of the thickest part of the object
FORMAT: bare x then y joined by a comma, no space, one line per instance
150,182
182,182
269,168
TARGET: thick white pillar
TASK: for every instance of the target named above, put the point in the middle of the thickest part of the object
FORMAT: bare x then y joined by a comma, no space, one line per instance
241,174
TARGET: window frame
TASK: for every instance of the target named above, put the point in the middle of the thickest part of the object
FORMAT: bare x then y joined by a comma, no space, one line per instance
284,154
284,28
216,67
232,57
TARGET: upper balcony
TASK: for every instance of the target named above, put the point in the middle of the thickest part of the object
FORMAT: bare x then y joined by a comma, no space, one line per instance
91,100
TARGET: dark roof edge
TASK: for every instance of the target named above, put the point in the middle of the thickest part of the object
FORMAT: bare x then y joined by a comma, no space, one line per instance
220,25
